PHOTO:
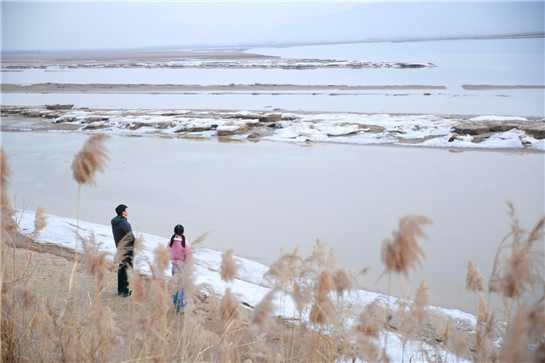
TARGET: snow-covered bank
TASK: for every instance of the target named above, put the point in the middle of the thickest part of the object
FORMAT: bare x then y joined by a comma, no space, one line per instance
268,63
484,132
249,284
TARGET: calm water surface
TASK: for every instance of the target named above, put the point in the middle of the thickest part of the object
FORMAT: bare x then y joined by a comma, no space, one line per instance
266,197
520,103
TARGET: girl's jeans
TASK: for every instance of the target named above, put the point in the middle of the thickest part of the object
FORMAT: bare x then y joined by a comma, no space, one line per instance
178,297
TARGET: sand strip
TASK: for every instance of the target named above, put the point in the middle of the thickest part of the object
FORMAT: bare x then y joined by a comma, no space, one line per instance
168,88
480,87
134,56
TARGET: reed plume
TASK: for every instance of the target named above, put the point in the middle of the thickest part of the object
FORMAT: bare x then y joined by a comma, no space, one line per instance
229,307
301,292
161,258
8,345
323,310
90,159
9,224
460,344
403,252
139,285
419,311
518,266
200,240
422,296
483,315
40,222
321,258
370,321
515,344
95,259
284,269
326,283
485,348
5,170
369,350
264,309
447,333
343,281
475,282
229,266
124,247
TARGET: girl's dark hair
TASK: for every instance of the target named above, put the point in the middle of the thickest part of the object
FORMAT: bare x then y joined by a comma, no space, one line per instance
178,230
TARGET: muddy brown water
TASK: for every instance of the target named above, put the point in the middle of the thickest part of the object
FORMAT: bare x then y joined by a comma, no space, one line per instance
262,198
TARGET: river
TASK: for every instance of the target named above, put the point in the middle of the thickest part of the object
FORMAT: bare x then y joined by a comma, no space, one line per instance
262,198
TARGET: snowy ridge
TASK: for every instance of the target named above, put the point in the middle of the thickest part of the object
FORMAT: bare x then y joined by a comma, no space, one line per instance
481,132
249,284
237,63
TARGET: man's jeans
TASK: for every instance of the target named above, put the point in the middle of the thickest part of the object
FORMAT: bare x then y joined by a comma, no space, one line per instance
178,297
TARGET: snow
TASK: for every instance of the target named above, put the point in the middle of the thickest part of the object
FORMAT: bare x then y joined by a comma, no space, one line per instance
347,128
249,284
497,118
270,63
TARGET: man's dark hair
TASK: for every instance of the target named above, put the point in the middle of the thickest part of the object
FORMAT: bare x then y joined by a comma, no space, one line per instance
120,209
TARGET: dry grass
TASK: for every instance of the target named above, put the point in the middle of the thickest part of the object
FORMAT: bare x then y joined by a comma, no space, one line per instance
475,282
518,266
402,252
8,222
91,158
40,222
145,326
229,266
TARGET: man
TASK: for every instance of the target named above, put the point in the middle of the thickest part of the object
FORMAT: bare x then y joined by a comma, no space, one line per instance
124,242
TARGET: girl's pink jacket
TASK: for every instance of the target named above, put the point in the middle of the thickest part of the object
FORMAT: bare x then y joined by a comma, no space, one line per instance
180,255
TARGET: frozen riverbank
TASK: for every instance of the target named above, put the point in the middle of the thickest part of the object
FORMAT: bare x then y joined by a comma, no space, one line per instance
477,132
249,284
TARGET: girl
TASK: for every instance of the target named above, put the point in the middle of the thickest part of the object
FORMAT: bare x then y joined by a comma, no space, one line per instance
179,250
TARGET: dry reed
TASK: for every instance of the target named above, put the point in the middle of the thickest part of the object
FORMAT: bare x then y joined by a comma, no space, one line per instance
264,310
9,225
285,269
370,321
95,260
229,307
90,159
40,222
229,266
343,281
403,252
475,282
518,266
483,315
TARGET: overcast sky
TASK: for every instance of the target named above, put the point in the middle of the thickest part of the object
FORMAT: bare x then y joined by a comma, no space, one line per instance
101,25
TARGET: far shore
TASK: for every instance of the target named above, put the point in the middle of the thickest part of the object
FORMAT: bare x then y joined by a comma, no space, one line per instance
169,88
220,52
481,87
122,55
256,87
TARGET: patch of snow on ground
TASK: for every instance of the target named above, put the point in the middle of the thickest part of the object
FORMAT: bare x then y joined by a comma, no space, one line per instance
249,285
497,118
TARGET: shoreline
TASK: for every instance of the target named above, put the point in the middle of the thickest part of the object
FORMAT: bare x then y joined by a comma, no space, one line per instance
245,285
241,48
251,272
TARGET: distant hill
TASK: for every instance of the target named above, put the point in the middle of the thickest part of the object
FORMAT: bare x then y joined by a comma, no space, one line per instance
386,21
